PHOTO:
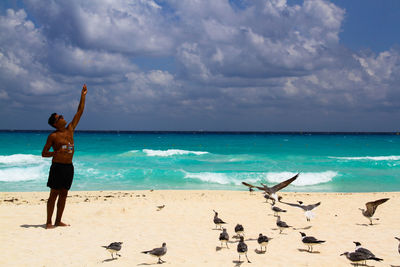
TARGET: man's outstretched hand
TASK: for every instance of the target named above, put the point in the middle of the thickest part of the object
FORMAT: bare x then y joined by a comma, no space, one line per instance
84,89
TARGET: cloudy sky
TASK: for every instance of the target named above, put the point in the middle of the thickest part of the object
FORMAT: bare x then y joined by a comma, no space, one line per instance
212,65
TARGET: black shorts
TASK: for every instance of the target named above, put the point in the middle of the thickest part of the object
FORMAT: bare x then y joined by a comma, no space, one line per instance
60,176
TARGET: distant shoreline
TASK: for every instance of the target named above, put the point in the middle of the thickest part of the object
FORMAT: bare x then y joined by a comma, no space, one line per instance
212,132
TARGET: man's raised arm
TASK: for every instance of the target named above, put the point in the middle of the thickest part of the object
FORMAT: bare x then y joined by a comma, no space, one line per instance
81,107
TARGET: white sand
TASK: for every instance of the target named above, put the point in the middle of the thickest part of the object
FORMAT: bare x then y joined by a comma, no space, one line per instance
186,225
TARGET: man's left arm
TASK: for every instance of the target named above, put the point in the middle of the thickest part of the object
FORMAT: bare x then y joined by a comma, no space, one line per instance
81,107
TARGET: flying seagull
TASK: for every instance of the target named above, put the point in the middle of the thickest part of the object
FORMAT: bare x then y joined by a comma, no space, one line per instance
307,208
281,224
263,241
251,187
276,210
357,257
371,207
271,191
239,230
242,248
157,252
224,237
310,241
399,244
217,220
113,248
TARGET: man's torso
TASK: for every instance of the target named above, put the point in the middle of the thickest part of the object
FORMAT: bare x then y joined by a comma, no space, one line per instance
63,145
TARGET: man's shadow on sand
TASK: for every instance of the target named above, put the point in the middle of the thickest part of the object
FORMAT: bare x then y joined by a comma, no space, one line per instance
33,226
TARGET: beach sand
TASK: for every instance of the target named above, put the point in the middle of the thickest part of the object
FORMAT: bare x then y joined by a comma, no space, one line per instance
186,225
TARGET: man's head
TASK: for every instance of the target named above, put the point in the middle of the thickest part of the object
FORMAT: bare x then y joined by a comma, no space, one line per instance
56,120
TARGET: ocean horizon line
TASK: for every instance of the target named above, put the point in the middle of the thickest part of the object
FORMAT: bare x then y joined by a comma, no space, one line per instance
210,132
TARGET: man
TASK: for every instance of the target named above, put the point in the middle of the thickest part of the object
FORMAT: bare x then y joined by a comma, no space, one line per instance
61,170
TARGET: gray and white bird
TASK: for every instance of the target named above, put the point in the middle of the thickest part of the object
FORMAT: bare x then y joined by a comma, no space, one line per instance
307,208
281,224
242,248
358,257
224,237
272,191
239,230
310,241
371,207
399,244
217,221
113,248
276,210
263,240
361,249
157,252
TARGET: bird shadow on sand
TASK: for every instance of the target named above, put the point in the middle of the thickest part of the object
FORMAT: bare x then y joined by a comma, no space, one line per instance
156,263
311,252
238,263
216,229
218,248
394,265
259,251
303,228
364,224
108,260
33,226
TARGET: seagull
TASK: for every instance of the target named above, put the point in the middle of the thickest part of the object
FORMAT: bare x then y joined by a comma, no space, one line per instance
224,237
276,210
242,248
371,207
113,247
310,241
218,221
268,197
251,187
239,230
157,252
281,224
399,244
357,257
307,208
271,191
263,241
360,249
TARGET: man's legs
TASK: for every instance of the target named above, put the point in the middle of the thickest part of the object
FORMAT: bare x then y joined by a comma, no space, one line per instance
50,206
62,197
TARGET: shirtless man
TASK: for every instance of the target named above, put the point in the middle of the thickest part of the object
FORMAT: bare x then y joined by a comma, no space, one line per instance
61,170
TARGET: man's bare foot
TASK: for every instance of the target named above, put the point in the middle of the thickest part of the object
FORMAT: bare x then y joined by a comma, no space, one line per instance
61,224
49,226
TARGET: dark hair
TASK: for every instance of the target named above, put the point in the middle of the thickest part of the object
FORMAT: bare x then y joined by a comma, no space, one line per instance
52,119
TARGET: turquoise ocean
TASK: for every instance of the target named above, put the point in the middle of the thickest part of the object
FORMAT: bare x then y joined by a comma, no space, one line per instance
208,161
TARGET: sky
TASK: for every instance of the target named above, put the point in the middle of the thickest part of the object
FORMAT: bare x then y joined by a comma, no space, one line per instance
202,65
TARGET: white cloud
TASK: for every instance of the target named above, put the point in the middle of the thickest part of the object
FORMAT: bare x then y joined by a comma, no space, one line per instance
264,58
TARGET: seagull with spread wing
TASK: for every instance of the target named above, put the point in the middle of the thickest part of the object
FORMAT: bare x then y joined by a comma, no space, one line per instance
307,208
271,191
371,207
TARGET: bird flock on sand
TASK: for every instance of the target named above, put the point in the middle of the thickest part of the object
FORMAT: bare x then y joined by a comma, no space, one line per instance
360,255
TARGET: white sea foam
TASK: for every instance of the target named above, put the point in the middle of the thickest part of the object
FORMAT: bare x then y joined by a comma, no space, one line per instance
226,178
170,152
23,167
20,159
23,174
375,158
304,179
